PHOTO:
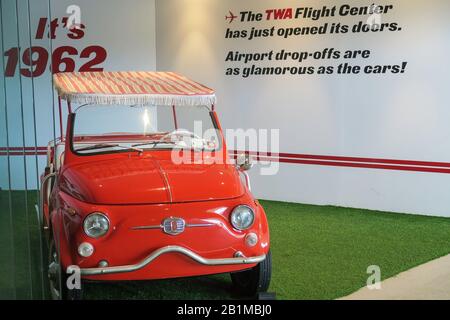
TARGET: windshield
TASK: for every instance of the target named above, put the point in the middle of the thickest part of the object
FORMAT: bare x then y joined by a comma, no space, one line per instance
103,129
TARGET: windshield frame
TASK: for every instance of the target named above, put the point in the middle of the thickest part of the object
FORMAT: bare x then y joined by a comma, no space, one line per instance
211,113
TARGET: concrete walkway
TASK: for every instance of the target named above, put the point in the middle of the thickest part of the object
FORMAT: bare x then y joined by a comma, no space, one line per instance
430,281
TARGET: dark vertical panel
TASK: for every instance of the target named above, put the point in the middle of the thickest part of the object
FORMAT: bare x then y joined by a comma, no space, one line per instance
36,230
22,249
26,222
7,253
50,17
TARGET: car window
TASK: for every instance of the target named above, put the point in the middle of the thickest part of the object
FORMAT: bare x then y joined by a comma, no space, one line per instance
115,128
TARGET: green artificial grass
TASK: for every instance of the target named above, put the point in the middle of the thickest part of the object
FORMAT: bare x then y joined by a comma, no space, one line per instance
319,252
20,249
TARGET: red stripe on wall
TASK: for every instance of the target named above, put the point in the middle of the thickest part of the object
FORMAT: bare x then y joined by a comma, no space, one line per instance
349,159
351,162
23,151
361,165
304,159
15,153
22,148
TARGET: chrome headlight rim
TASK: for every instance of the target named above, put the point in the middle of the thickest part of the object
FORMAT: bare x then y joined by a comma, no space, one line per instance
96,213
234,212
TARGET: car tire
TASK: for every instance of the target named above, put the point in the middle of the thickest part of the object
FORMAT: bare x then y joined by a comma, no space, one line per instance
58,279
255,280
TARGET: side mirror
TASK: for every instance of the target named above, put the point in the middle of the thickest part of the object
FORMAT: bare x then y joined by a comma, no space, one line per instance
244,162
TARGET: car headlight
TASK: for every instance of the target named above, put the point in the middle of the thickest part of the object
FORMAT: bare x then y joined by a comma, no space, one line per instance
96,225
242,217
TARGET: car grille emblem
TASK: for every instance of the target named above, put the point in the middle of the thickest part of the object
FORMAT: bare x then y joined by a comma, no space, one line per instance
173,226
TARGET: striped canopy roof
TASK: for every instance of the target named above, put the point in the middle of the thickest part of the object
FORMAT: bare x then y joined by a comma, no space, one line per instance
132,88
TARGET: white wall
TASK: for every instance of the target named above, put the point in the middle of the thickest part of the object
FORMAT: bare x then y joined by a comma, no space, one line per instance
126,29
392,116
401,116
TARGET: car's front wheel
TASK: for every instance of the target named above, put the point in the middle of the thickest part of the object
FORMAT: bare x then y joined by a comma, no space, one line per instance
256,280
58,279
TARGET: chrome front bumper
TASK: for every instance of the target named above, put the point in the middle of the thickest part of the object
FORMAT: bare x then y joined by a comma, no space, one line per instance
172,249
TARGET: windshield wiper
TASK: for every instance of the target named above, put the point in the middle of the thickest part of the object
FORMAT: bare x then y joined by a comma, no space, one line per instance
153,143
105,146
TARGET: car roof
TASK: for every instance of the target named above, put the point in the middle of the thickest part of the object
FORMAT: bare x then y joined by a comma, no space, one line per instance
132,88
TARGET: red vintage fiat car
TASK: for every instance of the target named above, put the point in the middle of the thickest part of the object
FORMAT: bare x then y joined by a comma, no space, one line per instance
139,186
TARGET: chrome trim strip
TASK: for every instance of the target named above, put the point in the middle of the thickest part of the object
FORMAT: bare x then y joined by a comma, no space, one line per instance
172,249
199,225
188,225
146,228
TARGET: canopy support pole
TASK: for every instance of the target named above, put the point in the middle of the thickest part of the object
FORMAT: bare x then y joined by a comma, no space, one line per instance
175,117
60,118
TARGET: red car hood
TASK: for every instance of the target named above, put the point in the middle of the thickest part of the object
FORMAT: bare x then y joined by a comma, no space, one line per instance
148,181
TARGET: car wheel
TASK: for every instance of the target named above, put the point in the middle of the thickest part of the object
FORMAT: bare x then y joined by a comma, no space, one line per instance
57,278
256,280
